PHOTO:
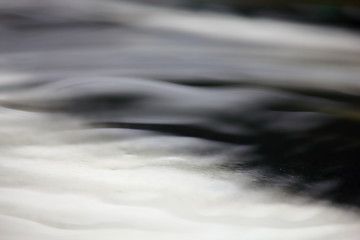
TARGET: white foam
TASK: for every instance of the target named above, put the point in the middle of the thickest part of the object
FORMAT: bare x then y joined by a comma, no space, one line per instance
52,188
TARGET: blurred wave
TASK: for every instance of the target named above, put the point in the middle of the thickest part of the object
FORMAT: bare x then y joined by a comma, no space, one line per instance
146,121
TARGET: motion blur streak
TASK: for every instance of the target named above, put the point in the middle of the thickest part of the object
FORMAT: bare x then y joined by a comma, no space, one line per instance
134,121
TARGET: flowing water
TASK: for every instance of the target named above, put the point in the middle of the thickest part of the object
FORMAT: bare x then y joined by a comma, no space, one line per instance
148,129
